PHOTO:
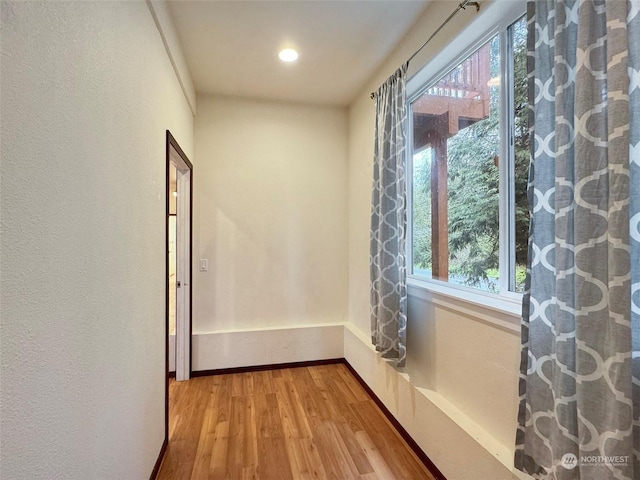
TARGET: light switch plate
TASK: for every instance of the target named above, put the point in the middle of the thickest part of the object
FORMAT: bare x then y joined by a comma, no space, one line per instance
204,265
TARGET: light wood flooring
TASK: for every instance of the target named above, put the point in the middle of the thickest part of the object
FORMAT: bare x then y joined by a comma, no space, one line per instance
298,423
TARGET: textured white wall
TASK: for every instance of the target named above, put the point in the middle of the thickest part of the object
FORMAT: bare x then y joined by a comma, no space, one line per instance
270,215
160,11
468,361
87,93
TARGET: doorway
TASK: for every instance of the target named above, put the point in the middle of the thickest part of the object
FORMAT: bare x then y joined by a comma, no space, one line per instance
179,203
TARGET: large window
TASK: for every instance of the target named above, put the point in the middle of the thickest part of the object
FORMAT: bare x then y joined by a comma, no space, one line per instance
470,157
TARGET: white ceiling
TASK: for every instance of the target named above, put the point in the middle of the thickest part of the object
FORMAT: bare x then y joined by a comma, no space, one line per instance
232,46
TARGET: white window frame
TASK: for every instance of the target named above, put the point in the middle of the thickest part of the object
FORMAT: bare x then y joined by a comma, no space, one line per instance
458,50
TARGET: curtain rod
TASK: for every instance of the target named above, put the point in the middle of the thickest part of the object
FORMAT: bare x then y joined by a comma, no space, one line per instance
463,5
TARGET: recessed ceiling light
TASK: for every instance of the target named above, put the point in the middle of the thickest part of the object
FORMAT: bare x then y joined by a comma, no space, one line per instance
288,55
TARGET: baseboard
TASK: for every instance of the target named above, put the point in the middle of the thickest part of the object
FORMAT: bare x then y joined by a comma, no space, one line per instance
273,366
426,461
266,346
156,467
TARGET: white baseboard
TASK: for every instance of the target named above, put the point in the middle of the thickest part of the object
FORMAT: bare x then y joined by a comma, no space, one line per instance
247,348
459,449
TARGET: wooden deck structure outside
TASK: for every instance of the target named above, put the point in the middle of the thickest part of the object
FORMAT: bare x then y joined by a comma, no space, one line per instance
460,99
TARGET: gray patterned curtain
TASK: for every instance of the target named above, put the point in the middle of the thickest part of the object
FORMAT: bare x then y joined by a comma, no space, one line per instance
579,412
389,221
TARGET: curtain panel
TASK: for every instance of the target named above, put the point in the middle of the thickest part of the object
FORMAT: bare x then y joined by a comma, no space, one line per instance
389,221
579,415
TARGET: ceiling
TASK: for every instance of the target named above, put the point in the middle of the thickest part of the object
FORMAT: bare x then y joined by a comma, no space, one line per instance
231,47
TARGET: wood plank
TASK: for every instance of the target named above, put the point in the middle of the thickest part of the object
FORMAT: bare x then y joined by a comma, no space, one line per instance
219,453
293,417
352,383
243,448
390,446
305,460
183,441
374,457
263,382
370,476
273,459
206,441
356,452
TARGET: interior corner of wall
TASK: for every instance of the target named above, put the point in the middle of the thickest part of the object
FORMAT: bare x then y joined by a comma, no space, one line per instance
164,22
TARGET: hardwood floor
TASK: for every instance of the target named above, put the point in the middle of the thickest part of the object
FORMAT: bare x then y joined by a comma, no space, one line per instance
298,423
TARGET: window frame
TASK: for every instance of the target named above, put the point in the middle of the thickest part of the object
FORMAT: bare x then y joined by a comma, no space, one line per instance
465,44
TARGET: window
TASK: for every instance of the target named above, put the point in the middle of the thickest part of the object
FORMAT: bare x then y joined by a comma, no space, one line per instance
469,161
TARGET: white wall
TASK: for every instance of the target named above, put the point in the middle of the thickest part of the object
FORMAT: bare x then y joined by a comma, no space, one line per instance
271,217
457,355
87,94
160,12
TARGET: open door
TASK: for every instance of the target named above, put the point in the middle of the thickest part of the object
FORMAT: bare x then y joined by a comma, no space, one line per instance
179,203
178,249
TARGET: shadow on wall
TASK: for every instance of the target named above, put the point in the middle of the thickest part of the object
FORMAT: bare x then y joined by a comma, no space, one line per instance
421,343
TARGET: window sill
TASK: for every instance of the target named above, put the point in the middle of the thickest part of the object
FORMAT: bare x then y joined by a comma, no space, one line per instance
501,312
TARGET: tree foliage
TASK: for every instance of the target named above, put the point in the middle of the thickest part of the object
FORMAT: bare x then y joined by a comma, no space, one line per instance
473,187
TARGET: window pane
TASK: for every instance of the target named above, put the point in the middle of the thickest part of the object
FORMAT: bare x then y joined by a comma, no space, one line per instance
521,149
422,212
456,145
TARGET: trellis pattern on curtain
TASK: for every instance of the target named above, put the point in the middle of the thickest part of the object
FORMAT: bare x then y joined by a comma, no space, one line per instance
579,412
388,222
